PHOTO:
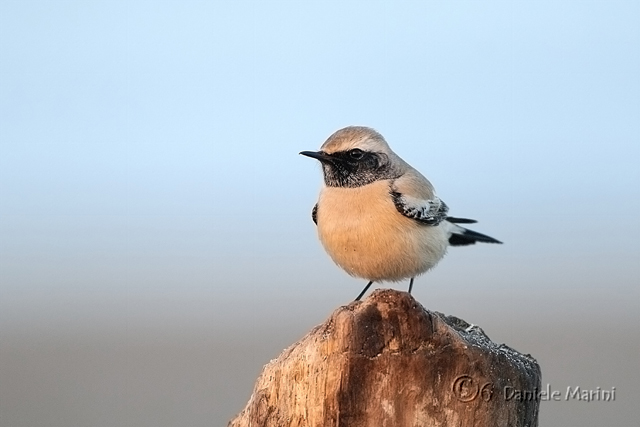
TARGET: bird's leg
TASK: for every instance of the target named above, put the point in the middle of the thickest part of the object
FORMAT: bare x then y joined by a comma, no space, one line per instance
411,284
363,291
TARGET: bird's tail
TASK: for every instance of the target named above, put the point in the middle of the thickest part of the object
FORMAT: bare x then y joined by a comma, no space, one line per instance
461,236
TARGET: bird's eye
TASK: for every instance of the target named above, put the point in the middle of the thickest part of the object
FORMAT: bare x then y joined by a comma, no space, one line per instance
356,154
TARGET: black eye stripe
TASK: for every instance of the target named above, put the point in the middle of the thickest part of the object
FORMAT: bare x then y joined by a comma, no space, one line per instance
356,167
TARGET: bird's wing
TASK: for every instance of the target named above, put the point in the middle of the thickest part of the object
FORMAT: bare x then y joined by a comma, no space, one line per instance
428,212
414,198
314,214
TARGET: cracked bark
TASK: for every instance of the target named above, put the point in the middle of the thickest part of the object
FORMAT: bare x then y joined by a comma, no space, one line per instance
387,361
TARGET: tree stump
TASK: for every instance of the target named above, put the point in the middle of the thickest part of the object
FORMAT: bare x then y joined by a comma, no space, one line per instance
387,361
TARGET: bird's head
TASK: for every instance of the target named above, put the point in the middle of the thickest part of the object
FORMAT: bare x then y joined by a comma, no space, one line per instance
355,156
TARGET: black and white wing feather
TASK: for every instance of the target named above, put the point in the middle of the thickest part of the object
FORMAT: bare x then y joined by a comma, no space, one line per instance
433,212
429,212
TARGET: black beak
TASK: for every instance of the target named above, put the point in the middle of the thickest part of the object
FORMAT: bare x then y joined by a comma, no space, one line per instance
320,155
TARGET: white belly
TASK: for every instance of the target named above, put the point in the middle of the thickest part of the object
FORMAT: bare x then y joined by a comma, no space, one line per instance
364,234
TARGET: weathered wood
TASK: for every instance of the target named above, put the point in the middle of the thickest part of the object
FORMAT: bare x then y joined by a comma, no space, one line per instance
387,361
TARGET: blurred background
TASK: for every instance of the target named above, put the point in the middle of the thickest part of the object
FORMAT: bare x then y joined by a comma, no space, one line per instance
156,242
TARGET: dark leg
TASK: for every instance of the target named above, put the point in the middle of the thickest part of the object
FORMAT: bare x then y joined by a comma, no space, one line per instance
411,284
363,291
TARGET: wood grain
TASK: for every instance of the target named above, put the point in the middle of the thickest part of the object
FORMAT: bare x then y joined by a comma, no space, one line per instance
387,361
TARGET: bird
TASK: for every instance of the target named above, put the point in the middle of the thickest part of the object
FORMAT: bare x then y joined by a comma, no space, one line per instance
377,217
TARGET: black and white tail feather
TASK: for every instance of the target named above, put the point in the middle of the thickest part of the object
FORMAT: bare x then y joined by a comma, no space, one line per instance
434,212
461,236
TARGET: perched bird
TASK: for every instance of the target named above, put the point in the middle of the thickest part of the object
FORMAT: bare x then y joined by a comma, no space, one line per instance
378,218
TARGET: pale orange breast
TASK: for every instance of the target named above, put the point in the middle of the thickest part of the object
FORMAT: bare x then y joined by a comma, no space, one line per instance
364,234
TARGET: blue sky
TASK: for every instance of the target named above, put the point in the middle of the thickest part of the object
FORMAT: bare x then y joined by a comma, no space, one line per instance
149,172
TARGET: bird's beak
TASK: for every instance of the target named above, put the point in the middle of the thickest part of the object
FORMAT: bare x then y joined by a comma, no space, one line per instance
320,155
